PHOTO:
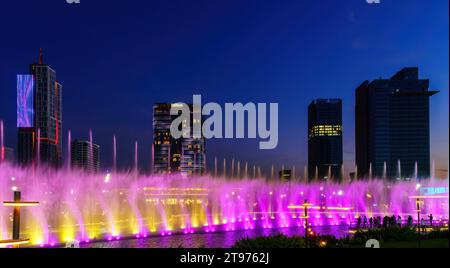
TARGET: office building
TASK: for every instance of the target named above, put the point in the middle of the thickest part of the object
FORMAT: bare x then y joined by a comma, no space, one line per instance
185,155
82,157
393,127
39,117
325,155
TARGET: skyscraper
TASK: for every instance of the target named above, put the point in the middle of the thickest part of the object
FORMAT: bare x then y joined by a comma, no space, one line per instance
39,117
83,158
325,139
393,127
170,155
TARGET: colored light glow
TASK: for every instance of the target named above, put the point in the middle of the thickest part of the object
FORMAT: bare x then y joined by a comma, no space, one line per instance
12,243
124,210
20,204
25,101
430,197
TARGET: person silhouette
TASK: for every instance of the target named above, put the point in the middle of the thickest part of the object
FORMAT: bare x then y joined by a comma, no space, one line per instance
423,224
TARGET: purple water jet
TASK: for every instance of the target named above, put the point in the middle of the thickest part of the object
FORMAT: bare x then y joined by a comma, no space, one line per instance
2,145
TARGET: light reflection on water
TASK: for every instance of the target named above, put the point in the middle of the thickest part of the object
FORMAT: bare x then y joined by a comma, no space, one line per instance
212,240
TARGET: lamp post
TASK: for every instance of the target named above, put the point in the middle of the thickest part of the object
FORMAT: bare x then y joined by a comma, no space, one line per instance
17,204
418,221
306,205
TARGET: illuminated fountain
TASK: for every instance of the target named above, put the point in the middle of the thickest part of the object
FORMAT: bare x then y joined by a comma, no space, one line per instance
114,154
2,146
136,161
69,150
88,207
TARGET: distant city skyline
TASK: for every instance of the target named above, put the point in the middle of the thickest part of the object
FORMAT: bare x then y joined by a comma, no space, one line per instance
167,54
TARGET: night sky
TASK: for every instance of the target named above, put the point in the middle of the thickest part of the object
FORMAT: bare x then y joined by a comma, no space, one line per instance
116,58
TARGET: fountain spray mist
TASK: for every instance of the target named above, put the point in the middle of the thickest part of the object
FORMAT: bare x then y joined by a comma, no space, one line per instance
129,205
69,150
114,154
38,148
136,158
2,143
91,151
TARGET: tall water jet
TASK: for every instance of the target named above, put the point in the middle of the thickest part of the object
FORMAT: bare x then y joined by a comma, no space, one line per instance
329,172
91,151
316,176
342,173
195,164
293,173
204,164
152,168
38,148
433,170
115,154
305,174
215,167
370,171
416,171
169,165
246,170
399,169
384,170
136,160
232,168
224,167
69,150
2,143
238,170
272,174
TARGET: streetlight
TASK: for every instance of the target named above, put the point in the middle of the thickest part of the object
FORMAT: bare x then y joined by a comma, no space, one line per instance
418,186
418,220
17,204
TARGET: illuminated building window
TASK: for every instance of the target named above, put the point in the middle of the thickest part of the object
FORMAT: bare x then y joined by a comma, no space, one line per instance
325,130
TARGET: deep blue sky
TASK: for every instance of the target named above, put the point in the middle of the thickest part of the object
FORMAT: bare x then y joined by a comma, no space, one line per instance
116,58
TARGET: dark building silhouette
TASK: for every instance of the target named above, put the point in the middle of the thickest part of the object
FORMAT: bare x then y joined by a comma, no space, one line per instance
26,145
392,126
170,155
39,98
83,158
325,156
